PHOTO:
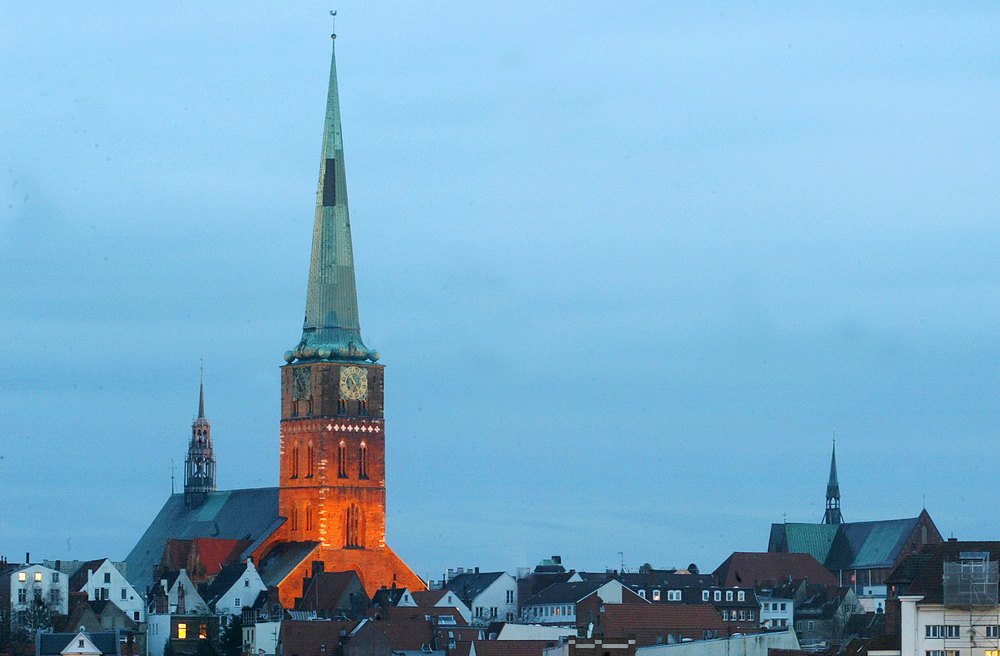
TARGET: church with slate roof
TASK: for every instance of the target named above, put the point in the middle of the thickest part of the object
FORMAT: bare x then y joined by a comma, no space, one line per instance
860,554
329,505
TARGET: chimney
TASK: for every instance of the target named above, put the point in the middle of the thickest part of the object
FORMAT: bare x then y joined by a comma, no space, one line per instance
557,560
27,557
477,570
317,567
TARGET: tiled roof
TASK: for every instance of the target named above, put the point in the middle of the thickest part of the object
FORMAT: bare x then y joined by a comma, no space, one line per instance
420,613
229,515
623,620
429,597
304,638
401,634
765,570
327,590
512,647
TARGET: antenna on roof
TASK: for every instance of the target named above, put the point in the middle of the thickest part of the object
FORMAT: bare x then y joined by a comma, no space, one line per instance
171,476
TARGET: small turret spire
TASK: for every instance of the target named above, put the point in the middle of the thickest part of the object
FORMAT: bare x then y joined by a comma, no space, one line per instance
832,514
199,465
332,329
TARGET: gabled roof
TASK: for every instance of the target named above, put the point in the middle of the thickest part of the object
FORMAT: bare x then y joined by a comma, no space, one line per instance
470,585
79,578
821,602
327,590
282,560
430,597
666,580
52,644
863,545
222,583
228,514
766,570
421,613
851,545
388,596
565,593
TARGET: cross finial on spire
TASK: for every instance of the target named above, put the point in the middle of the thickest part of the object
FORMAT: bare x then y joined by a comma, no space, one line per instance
333,20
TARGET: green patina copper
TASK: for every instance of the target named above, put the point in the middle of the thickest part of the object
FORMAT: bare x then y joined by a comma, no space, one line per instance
332,330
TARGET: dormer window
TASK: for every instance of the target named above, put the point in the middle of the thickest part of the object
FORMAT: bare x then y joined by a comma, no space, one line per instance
642,593
718,595
656,595
741,596
729,595
704,595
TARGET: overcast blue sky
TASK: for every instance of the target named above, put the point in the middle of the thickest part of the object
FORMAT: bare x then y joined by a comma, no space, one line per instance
627,264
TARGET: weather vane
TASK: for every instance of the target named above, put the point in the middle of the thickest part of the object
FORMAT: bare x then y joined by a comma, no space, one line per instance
333,19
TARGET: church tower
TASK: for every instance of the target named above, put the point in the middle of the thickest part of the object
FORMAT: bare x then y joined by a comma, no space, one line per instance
832,514
332,487
199,465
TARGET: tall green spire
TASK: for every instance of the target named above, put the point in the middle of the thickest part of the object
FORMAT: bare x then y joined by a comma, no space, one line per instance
832,514
332,330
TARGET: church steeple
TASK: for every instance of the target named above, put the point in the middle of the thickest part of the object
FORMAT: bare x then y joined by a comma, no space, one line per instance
832,514
332,329
199,465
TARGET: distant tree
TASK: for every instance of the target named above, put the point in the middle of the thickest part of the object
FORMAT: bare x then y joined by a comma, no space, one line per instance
645,568
231,643
205,649
168,648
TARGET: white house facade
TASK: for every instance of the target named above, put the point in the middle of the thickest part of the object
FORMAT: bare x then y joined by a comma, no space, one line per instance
106,582
29,583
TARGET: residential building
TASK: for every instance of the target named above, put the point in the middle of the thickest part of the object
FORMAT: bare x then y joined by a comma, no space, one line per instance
184,632
175,593
235,587
31,595
334,595
950,605
557,604
777,605
822,614
441,598
102,580
647,623
85,643
491,596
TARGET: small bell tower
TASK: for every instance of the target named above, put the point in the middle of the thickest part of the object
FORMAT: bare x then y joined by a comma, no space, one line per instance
199,466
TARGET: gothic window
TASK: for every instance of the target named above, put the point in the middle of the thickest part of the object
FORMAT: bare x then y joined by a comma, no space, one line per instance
309,519
352,527
342,407
363,461
295,461
309,460
295,518
362,408
342,459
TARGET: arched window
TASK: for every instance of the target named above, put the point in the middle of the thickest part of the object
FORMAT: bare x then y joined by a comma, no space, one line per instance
342,459
295,461
363,461
295,518
309,518
309,460
352,527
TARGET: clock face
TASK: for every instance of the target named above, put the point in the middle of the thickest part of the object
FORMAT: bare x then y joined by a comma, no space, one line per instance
301,379
353,383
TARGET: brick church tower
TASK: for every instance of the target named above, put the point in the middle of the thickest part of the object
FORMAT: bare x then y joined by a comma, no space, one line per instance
332,465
